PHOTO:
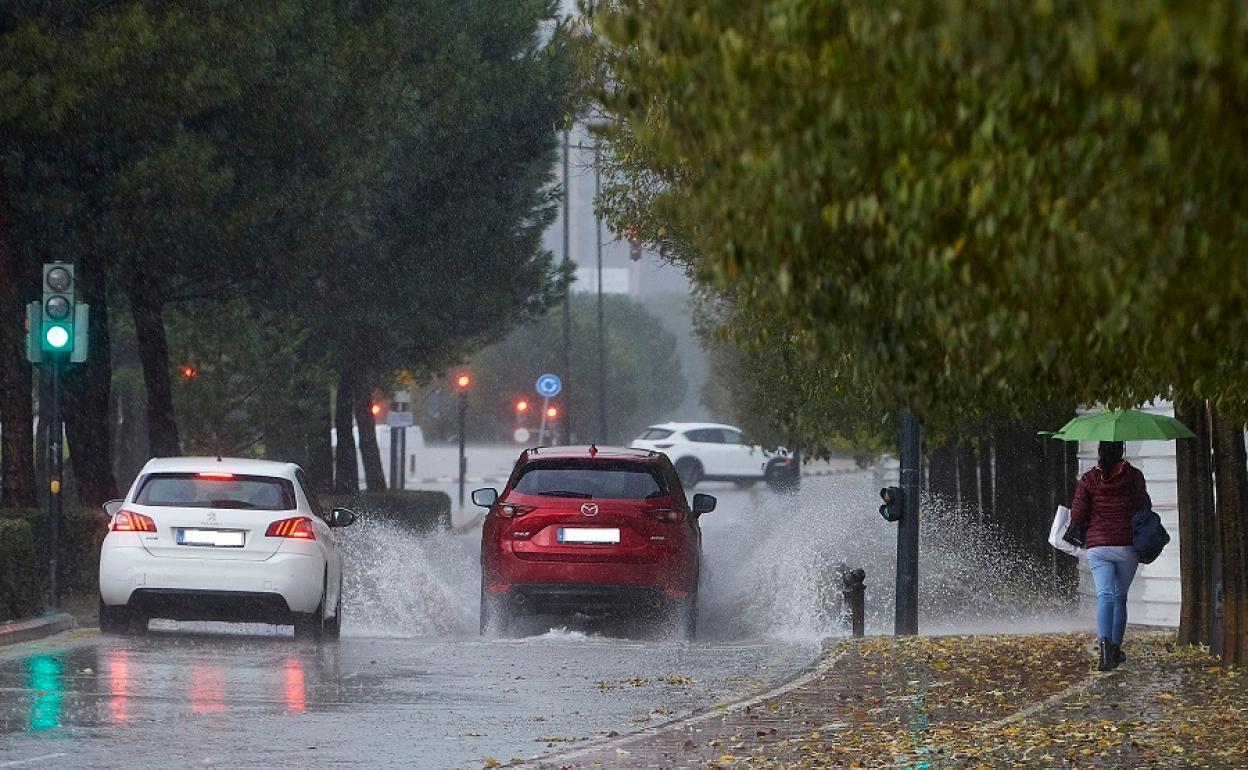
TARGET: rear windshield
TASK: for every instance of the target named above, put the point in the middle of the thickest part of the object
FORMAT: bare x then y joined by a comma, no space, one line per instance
191,490
591,479
654,434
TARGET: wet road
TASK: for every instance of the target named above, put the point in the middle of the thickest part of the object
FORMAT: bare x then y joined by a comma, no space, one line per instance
177,700
410,684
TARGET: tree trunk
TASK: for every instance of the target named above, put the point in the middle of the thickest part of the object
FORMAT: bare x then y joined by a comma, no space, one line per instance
17,440
1231,468
986,494
1019,504
87,389
968,479
320,449
149,329
374,475
1196,524
346,470
942,478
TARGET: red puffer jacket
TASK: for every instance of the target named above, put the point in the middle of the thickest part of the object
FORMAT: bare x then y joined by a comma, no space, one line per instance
1105,501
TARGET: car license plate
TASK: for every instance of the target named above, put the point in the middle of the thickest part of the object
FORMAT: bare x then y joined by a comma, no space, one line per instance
216,538
589,535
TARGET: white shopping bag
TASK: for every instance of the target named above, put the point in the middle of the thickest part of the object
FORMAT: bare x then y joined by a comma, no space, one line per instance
1061,520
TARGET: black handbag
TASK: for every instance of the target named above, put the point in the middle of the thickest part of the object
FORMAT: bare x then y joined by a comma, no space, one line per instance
1076,534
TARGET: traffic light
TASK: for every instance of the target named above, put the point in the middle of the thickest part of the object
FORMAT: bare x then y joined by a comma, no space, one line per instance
463,382
56,334
189,372
522,407
893,499
552,412
634,245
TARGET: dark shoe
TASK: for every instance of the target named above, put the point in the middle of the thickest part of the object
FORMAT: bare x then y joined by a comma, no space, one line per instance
1106,662
1115,656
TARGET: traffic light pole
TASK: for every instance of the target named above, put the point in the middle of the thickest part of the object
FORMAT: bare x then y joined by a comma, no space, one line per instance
463,461
55,459
906,621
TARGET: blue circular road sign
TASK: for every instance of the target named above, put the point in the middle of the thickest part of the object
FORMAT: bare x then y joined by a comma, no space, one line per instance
548,385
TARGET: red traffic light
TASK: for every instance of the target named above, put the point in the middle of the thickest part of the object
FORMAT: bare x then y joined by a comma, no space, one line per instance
375,409
522,406
552,412
189,372
463,381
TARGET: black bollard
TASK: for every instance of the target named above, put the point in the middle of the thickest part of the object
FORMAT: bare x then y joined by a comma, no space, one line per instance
853,593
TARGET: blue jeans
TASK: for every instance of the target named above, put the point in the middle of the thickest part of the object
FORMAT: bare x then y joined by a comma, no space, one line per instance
1113,569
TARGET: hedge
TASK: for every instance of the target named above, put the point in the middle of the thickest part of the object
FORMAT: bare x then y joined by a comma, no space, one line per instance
82,531
420,510
21,571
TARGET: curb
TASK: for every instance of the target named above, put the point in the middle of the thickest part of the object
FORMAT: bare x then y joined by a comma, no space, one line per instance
30,629
813,671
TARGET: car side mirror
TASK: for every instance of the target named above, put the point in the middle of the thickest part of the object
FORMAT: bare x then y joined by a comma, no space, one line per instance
112,506
484,497
703,504
341,517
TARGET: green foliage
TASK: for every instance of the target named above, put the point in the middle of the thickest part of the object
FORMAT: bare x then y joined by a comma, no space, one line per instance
82,531
972,206
419,510
254,378
645,382
21,572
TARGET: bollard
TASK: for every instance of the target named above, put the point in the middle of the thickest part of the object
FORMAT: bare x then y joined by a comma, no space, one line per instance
853,593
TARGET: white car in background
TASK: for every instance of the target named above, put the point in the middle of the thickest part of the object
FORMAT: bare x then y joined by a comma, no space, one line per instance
706,451
222,539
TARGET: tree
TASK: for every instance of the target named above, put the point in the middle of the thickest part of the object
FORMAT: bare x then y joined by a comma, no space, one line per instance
972,203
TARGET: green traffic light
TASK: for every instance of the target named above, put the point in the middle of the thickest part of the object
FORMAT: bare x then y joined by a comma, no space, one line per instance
57,337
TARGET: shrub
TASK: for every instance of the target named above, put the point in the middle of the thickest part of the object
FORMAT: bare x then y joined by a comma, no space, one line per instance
423,511
82,531
21,571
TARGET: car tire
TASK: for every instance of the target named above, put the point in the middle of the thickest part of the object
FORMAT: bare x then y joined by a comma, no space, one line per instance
683,617
311,625
495,614
690,472
333,627
115,620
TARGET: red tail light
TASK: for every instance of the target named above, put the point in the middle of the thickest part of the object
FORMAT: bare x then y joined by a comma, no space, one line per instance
129,521
299,528
670,515
510,511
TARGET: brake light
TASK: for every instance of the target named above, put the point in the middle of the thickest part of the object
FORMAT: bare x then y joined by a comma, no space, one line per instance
215,475
510,511
670,515
129,521
299,528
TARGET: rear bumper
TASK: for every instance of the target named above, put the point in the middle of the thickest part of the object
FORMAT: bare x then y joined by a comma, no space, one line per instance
191,604
675,571
292,582
589,599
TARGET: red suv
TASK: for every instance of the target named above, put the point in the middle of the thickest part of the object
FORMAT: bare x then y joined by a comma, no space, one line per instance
582,529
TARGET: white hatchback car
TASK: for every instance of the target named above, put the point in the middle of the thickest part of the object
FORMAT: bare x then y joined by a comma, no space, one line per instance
222,539
706,451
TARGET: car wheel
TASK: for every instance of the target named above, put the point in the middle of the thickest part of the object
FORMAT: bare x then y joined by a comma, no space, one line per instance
333,627
744,483
311,625
114,620
495,614
690,472
683,616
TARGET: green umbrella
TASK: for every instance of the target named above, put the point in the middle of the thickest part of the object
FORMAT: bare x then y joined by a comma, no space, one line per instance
1123,425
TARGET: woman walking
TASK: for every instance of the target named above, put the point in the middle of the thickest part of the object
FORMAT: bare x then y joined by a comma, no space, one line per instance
1105,499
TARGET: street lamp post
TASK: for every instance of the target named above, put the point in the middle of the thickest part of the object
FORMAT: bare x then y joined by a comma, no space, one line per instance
602,334
566,362
462,382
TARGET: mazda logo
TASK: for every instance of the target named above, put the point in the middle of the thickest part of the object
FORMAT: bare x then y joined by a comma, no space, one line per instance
590,509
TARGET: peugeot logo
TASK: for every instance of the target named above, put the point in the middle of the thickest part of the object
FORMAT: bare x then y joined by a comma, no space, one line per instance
590,509
211,518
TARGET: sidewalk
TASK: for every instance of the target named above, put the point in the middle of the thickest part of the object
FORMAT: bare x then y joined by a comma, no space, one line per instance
1027,701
